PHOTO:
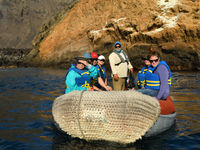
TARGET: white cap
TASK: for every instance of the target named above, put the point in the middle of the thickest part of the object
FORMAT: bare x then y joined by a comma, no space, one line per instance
101,57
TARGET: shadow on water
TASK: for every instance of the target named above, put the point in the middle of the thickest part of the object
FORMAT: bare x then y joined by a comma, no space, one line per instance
63,141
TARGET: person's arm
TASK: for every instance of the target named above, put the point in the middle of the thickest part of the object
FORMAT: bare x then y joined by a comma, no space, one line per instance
96,88
92,70
130,67
102,83
71,81
106,81
164,87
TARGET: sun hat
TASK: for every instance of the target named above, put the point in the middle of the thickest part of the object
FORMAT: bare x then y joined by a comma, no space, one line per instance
117,43
101,57
76,60
87,55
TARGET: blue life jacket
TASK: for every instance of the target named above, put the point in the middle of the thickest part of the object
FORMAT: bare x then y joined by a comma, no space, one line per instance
101,73
152,81
84,80
141,77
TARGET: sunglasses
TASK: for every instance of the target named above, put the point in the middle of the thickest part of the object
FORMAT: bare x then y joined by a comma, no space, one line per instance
81,63
155,60
118,46
102,60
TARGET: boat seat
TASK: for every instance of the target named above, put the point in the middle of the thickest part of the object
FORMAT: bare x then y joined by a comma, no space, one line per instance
167,106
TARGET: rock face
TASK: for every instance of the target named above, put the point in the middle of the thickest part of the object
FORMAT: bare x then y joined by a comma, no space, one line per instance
20,20
12,57
171,26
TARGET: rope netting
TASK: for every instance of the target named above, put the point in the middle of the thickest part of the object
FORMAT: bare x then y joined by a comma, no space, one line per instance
119,116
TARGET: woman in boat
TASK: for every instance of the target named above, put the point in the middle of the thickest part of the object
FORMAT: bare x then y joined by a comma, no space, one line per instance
94,80
101,75
157,77
79,75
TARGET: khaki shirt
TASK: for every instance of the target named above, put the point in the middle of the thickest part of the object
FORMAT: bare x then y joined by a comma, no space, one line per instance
121,69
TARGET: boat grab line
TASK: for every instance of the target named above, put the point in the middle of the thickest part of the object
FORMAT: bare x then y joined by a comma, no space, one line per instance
79,103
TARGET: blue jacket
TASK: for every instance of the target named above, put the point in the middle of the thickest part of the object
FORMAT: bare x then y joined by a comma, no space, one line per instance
101,72
77,79
152,81
141,77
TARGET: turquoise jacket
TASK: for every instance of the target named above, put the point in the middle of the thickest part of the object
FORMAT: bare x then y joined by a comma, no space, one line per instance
76,80
94,80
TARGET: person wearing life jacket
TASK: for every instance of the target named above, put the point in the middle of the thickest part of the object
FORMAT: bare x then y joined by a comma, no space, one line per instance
141,74
79,75
120,65
157,77
94,58
102,82
94,80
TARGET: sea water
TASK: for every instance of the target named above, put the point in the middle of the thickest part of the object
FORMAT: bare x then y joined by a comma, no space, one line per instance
26,123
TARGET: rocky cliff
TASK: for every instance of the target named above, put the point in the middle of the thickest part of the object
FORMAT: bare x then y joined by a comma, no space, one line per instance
21,19
171,26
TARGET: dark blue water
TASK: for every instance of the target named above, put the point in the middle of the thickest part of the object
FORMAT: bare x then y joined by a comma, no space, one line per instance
26,98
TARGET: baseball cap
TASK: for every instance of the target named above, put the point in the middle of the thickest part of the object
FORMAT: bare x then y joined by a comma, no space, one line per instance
101,57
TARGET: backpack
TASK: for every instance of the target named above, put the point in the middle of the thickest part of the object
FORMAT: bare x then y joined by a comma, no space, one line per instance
121,58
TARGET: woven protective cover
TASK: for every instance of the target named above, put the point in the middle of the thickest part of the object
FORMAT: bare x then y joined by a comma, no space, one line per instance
119,116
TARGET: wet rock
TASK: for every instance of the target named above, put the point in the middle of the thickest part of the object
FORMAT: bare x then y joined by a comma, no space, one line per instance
12,57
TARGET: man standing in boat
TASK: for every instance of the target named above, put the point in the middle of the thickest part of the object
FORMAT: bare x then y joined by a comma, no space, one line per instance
120,65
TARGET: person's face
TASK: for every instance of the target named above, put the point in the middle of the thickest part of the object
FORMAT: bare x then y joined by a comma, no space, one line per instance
117,47
80,65
154,60
147,62
94,62
101,62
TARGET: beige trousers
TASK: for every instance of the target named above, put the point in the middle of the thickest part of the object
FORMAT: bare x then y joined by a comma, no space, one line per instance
119,85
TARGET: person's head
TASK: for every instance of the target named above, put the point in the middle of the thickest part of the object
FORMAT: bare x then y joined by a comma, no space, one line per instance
94,58
146,61
117,46
80,65
87,56
78,62
154,58
101,60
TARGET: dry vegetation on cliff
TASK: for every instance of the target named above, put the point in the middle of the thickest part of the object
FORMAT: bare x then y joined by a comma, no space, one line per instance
171,26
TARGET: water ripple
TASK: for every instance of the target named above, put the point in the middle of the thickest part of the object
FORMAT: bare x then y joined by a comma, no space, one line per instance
26,98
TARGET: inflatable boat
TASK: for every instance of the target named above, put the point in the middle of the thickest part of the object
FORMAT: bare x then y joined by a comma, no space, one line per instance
117,116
